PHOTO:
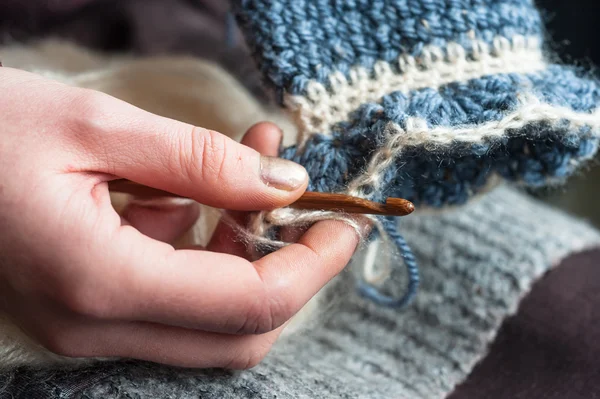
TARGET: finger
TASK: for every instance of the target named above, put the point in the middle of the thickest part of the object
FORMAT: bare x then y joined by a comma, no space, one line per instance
74,336
317,257
180,158
265,138
176,346
147,281
162,219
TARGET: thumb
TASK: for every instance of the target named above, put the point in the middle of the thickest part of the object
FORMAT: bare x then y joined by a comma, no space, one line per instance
187,160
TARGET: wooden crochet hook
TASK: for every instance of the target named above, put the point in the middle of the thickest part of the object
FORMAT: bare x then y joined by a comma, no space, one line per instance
308,201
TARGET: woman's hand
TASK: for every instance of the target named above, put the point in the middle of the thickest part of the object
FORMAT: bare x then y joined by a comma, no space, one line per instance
85,282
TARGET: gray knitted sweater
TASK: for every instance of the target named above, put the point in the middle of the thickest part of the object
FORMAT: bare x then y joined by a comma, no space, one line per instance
477,262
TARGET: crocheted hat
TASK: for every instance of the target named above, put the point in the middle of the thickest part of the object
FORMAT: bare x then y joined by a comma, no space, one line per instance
427,100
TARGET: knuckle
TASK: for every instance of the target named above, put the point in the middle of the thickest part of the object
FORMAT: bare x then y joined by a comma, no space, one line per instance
87,116
87,105
210,150
86,301
257,319
265,314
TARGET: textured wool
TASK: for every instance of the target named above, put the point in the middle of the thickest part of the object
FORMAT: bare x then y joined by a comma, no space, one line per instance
477,261
423,100
438,96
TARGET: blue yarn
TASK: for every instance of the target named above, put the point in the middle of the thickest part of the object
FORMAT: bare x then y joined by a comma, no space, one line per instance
450,175
440,180
299,41
373,294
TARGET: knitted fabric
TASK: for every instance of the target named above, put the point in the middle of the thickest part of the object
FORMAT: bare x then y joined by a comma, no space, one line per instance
477,261
423,100
428,100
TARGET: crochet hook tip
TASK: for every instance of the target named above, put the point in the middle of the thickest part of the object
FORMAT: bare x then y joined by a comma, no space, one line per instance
399,207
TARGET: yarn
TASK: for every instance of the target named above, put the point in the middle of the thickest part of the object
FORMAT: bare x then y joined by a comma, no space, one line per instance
320,110
428,100
260,240
259,236
369,291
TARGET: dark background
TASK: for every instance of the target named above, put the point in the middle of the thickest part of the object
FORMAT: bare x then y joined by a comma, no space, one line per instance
573,27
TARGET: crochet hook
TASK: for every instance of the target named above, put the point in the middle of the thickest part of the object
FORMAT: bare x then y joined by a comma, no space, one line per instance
308,201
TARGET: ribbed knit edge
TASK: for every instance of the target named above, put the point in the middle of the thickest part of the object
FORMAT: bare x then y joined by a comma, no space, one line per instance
477,262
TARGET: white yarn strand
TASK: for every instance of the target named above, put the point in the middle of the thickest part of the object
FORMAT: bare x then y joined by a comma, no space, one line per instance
261,222
321,109
417,132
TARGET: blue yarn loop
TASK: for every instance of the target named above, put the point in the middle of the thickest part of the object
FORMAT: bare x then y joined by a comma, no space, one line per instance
372,293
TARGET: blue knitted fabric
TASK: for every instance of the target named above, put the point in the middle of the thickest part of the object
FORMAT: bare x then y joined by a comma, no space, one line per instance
422,99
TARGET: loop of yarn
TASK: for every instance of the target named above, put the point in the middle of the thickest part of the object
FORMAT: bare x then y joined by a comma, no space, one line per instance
373,293
259,236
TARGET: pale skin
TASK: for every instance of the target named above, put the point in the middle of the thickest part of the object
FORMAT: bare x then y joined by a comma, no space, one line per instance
86,282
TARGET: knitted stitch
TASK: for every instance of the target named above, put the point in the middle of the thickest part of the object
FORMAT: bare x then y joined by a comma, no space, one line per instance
426,100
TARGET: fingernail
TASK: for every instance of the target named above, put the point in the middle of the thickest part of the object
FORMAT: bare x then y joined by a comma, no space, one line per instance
281,173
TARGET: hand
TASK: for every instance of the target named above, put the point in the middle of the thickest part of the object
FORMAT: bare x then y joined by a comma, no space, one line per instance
85,282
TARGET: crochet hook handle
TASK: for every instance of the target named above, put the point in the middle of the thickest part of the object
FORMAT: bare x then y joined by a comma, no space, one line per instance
308,201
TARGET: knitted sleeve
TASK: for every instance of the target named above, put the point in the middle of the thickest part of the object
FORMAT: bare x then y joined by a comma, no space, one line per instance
427,100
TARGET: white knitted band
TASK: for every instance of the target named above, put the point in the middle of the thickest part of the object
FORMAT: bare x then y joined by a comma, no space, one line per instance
321,108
